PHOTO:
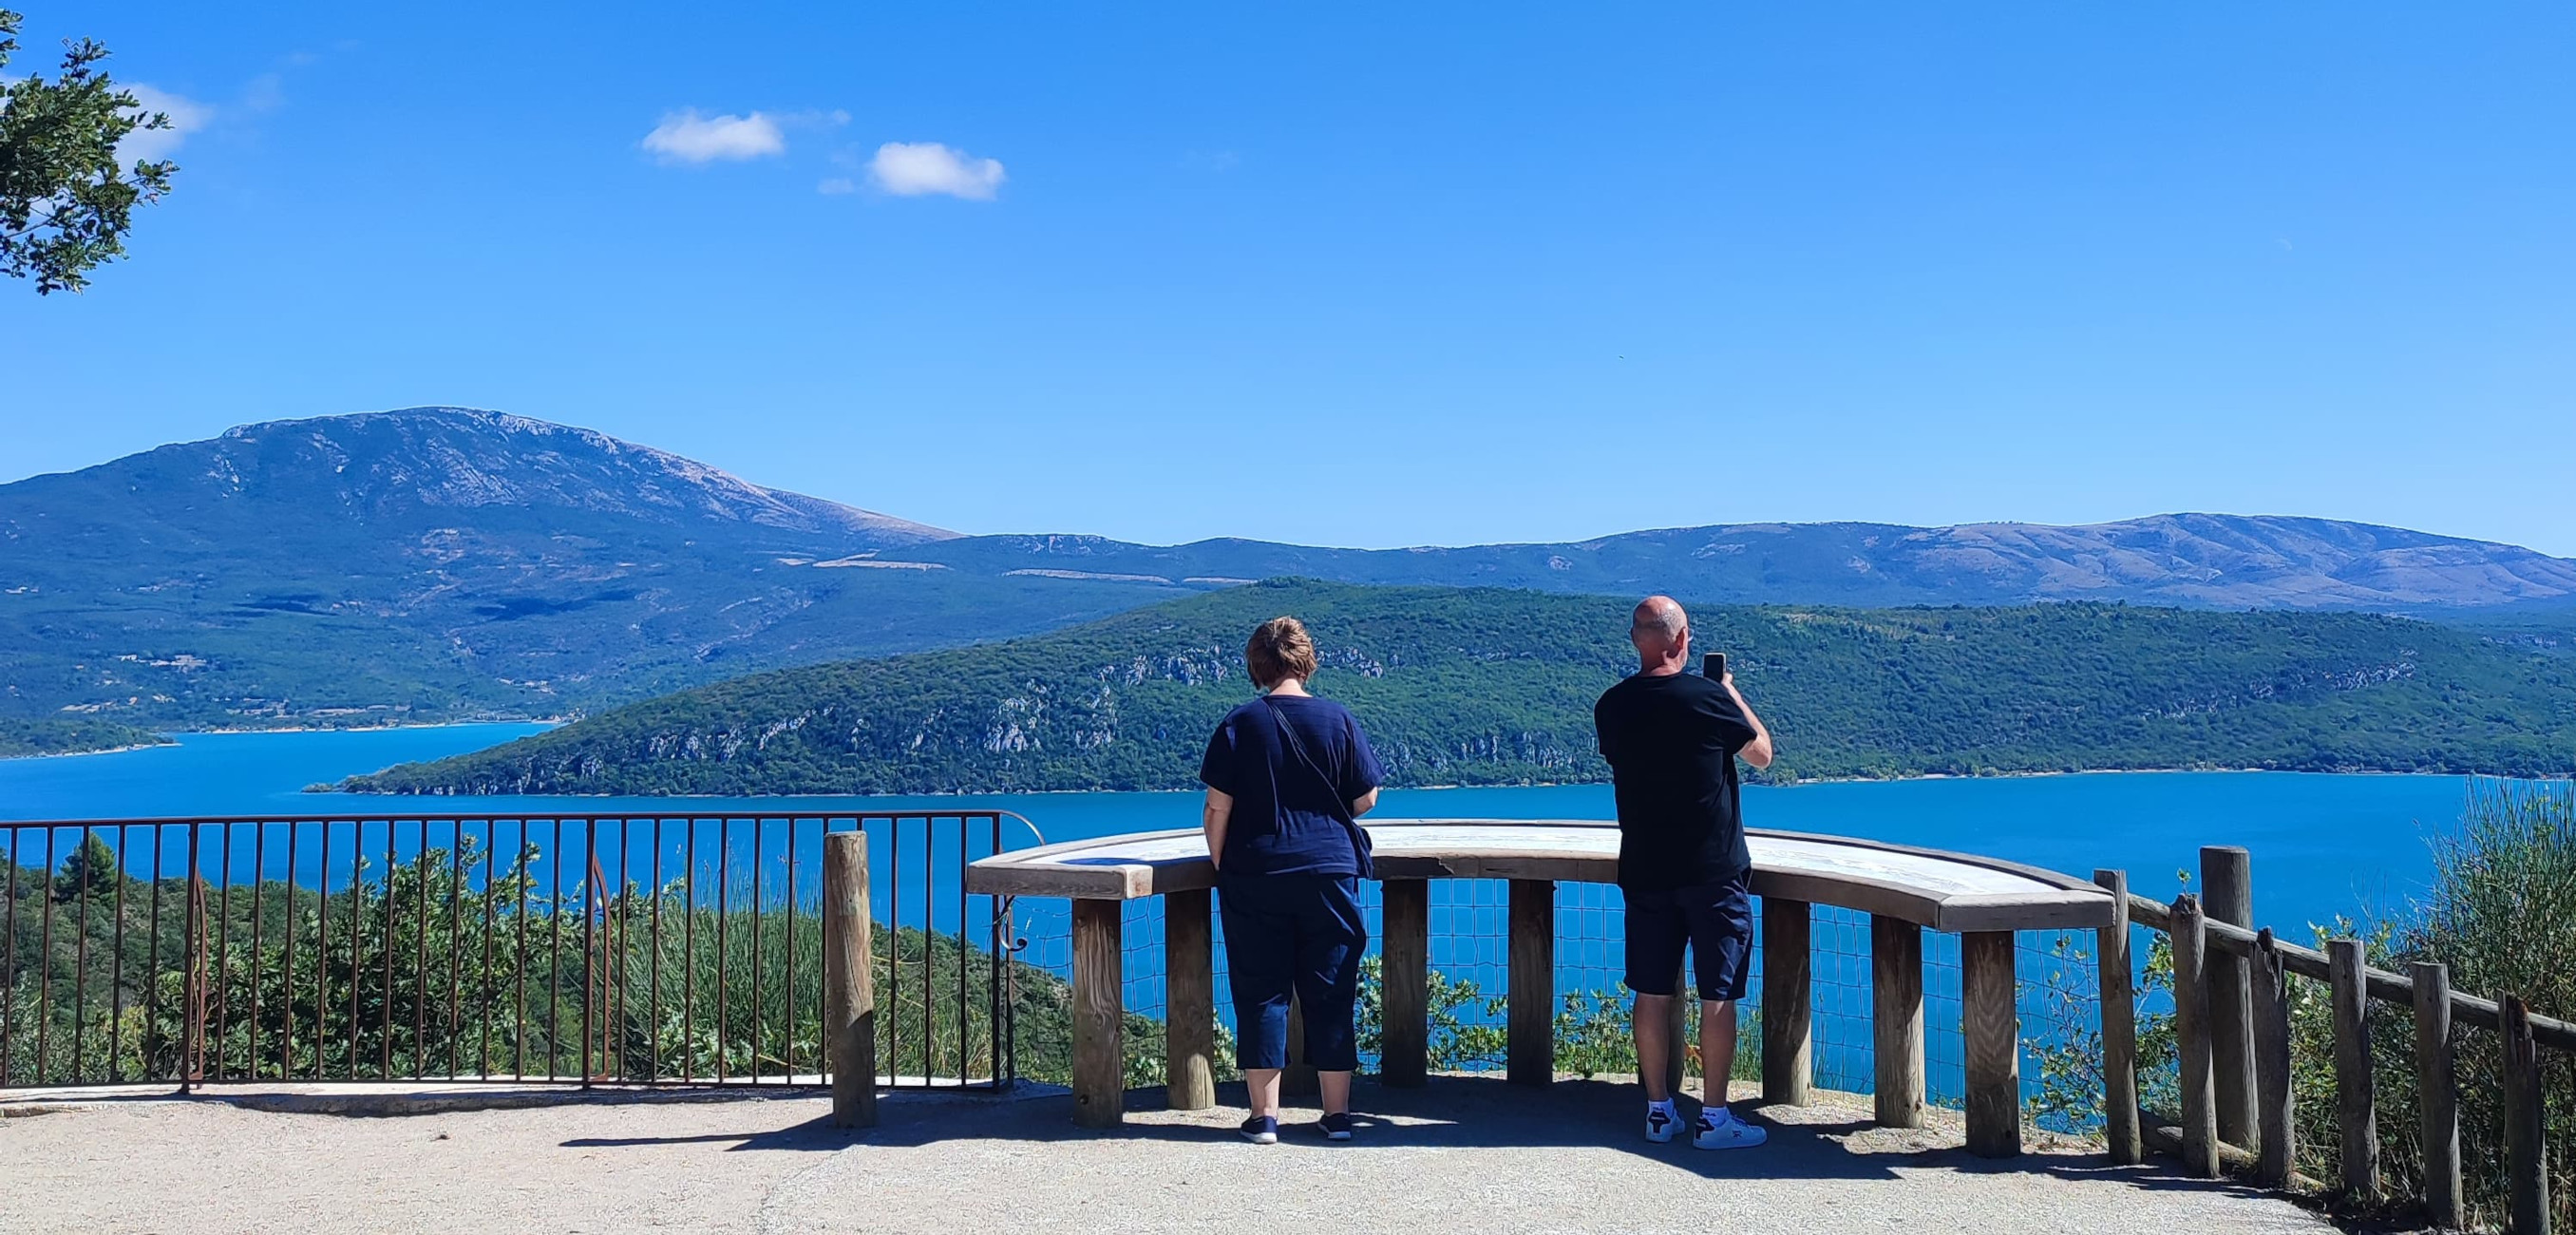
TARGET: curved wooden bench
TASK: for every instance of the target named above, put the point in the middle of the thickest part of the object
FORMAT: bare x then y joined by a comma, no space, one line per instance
1905,890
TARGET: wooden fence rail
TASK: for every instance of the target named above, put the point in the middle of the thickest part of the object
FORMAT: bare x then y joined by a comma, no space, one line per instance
2232,1032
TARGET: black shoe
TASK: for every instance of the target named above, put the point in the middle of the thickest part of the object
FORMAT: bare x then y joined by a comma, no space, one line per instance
1261,1130
1337,1127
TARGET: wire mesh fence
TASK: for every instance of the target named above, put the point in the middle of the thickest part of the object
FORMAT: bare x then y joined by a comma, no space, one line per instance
1469,981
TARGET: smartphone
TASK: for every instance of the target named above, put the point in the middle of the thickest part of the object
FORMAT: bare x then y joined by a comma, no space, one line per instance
1714,666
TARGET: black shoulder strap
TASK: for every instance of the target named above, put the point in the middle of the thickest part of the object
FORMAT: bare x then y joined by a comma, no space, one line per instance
1297,747
1332,788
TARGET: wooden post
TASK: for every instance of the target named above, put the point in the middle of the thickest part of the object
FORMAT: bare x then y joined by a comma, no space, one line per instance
2191,1035
2437,1091
2227,889
1099,1013
2276,1112
1404,1059
2355,1102
1896,988
1189,995
2526,1159
1991,1023
2119,1026
1530,1049
1787,1039
849,981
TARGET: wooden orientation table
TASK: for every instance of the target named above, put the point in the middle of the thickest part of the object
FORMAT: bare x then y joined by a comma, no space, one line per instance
1904,890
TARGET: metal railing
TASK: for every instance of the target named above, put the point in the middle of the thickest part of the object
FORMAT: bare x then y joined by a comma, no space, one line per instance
656,949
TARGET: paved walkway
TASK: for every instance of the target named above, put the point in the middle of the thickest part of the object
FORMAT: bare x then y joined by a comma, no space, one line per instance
1463,1154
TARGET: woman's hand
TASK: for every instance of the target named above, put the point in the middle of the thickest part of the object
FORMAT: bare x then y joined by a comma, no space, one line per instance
1212,817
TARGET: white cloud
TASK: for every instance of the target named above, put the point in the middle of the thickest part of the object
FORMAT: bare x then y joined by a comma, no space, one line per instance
186,116
687,137
910,169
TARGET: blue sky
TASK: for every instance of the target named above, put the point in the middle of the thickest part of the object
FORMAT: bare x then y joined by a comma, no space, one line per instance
1376,275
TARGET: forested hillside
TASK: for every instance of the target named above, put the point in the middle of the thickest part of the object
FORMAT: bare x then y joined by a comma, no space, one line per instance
69,736
1484,686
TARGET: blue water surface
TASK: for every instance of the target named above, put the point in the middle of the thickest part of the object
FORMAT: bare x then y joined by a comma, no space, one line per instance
2323,845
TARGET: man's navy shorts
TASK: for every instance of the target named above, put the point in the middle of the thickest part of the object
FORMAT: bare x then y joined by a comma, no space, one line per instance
1715,919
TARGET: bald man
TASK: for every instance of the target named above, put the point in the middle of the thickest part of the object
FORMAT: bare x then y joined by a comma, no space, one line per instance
1672,739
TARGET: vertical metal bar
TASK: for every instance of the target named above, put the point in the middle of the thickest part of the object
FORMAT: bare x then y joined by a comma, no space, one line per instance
223,940
45,965
420,867
80,966
258,898
893,1017
655,1024
116,961
9,989
152,935
192,1038
624,938
519,962
994,972
456,946
518,967
759,1010
724,889
554,956
385,1015
589,958
964,856
787,999
929,920
689,950
286,971
357,920
483,1006
322,957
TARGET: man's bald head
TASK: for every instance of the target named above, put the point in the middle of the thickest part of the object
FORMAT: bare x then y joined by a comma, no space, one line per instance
1659,628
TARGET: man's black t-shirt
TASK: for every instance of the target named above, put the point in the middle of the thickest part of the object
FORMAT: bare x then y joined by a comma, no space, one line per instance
1671,742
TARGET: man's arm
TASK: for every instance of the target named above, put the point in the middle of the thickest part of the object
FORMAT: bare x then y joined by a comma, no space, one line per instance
1212,818
1758,751
1363,804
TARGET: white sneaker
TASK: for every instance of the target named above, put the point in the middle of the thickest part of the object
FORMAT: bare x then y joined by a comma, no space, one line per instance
1724,1131
1661,1123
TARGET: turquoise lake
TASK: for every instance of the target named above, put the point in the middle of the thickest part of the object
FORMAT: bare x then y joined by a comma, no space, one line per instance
2323,845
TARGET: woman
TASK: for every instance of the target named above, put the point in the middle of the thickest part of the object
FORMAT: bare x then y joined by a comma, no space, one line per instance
1288,775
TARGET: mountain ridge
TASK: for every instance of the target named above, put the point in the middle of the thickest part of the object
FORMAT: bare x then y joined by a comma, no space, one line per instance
455,563
2189,559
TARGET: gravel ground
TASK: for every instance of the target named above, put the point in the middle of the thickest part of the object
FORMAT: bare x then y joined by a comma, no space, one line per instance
1462,1154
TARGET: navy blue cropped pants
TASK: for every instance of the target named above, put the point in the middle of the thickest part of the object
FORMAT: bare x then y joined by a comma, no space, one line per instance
1300,933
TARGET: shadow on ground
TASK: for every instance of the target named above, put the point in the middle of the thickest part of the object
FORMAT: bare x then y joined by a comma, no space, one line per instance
1829,1141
